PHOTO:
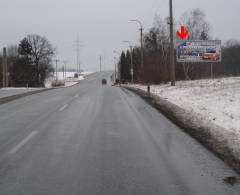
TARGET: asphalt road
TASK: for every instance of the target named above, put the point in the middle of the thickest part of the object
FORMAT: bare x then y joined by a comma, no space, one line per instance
93,139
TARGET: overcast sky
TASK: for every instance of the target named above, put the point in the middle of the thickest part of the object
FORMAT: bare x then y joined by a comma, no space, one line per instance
102,25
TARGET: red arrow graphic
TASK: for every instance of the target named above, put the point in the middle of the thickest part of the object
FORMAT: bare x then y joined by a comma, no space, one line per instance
182,34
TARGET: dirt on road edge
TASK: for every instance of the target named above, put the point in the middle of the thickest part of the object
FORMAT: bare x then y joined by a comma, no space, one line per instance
203,132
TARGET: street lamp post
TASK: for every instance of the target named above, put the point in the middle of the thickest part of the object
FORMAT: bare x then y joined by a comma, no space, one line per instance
131,51
115,68
118,66
141,34
57,69
65,68
172,63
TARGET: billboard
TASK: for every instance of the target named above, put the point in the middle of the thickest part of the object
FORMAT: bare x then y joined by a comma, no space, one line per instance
199,51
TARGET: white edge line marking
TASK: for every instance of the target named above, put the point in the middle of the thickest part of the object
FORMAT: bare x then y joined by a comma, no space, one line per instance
63,108
22,143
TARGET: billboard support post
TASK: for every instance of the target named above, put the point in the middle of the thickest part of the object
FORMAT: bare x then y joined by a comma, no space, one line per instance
212,70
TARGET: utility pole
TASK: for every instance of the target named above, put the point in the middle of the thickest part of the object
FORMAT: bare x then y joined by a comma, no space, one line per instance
4,68
63,72
172,58
65,68
78,56
57,70
100,64
142,62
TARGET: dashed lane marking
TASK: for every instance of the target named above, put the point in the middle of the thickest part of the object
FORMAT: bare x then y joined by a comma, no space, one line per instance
23,142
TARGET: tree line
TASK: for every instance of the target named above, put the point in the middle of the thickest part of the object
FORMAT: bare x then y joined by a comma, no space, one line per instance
157,50
30,62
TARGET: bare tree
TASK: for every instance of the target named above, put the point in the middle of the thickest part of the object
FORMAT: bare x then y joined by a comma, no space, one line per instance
163,41
196,24
38,49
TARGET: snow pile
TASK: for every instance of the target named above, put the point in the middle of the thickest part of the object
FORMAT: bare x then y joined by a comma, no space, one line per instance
216,101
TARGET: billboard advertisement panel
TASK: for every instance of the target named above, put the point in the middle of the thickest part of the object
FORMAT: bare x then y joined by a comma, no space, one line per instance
199,51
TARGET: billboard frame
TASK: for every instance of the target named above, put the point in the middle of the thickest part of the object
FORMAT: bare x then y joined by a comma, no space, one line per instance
198,51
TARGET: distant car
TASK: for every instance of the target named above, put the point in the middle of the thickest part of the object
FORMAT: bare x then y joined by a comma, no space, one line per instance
104,81
75,75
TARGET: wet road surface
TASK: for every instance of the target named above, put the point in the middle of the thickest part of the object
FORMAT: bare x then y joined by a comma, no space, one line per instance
94,139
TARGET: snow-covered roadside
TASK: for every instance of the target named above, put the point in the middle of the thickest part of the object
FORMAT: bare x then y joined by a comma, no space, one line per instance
212,101
5,92
12,93
68,79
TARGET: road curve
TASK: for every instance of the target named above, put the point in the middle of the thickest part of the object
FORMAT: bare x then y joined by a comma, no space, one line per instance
94,139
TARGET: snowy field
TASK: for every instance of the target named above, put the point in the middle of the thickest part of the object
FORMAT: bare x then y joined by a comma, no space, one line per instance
216,101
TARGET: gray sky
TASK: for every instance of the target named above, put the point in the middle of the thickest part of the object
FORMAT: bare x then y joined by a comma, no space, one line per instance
102,25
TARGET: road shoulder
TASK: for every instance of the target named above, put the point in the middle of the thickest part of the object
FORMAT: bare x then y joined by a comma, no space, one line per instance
206,133
10,98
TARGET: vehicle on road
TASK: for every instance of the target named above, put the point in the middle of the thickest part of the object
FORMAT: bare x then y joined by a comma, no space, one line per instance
104,81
